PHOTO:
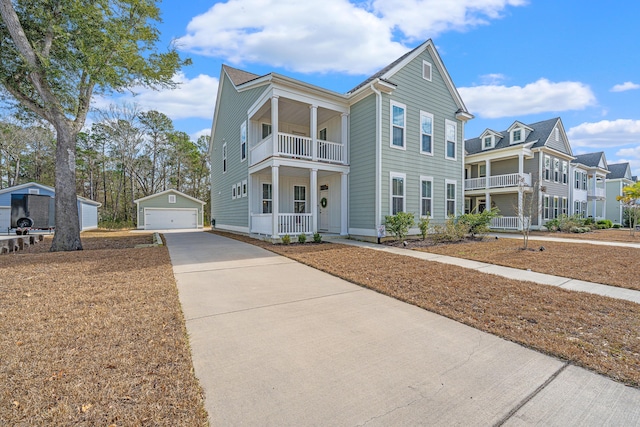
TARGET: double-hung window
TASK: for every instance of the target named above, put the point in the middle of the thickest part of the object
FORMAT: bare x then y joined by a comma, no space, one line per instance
267,199
426,133
244,188
564,206
426,195
243,142
299,199
547,168
546,207
576,175
565,172
576,207
584,181
397,192
556,170
266,130
398,120
556,207
451,136
450,200
224,157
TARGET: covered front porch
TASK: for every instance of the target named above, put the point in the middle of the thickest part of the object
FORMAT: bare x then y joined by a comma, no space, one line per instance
512,207
293,197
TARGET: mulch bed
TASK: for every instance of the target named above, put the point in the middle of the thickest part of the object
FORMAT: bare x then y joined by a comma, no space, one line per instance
611,235
596,332
95,337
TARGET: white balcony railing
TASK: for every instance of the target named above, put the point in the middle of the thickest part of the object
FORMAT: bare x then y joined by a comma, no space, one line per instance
297,147
596,192
293,224
508,223
498,181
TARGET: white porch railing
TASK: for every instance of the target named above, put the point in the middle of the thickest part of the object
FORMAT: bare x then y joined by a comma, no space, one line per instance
596,192
298,147
262,224
294,146
330,151
498,181
508,223
293,224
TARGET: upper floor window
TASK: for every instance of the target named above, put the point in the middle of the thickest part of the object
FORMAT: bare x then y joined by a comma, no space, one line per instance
426,133
426,195
556,170
397,193
565,172
487,142
516,135
451,134
557,134
266,130
482,171
576,176
322,134
450,190
34,191
243,141
172,198
584,181
426,70
547,168
224,157
398,119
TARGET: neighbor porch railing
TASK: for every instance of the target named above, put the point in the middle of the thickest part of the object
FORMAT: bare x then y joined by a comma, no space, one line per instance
498,181
297,147
508,223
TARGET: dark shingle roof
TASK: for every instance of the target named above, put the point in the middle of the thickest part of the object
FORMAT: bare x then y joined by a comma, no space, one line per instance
617,170
385,69
239,77
591,160
540,134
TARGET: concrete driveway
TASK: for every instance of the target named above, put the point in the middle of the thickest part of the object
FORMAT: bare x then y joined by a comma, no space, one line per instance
278,343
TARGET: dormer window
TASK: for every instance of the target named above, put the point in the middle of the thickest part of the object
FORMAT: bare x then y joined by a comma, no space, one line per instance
426,70
487,142
516,135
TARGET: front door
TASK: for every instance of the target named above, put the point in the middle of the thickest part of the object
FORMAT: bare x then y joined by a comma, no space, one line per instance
324,210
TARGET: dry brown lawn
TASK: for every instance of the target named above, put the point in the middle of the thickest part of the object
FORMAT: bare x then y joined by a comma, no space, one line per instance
596,332
610,235
609,265
95,337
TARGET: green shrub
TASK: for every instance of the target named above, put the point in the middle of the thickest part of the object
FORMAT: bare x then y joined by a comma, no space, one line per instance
589,221
478,223
606,222
451,231
286,239
302,238
317,237
423,225
580,229
565,223
398,225
616,225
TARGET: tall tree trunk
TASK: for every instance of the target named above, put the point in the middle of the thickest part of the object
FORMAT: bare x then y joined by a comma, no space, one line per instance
67,236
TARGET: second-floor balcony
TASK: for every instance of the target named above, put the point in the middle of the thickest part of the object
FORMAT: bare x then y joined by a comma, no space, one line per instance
596,193
297,147
498,181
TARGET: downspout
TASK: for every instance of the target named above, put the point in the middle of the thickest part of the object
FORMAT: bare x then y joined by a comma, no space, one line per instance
378,207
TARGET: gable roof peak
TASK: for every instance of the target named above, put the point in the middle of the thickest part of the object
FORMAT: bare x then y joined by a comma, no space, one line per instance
238,76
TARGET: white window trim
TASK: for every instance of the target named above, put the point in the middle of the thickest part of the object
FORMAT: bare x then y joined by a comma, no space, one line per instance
491,145
34,191
245,188
391,125
425,114
448,122
262,199
224,158
455,197
262,126
172,198
556,176
243,141
393,175
565,172
430,179
238,190
513,138
297,200
233,191
545,168
430,77
546,207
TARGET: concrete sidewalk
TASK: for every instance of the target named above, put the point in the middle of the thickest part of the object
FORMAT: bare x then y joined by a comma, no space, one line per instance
275,342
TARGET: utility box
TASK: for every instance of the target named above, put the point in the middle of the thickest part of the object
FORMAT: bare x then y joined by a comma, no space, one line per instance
32,210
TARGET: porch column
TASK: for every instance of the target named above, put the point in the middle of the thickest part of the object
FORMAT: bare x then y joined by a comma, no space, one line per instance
314,132
487,166
520,212
313,189
274,124
343,204
275,199
344,135
521,164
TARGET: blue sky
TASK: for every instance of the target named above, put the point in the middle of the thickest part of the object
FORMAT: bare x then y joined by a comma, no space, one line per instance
525,60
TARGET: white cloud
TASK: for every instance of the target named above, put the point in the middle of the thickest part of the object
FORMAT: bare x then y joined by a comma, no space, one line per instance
194,136
625,86
492,79
494,101
193,98
605,133
338,36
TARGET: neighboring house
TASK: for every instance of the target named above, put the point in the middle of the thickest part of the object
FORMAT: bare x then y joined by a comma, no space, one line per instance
524,162
590,173
169,209
87,209
619,177
288,157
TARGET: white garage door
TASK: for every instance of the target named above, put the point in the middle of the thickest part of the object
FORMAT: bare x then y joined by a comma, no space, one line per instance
164,219
5,218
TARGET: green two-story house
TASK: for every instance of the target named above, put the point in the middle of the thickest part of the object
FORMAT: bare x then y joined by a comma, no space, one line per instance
288,157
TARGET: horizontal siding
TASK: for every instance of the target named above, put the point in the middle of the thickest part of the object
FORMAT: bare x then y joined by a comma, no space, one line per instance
362,159
559,145
504,167
232,112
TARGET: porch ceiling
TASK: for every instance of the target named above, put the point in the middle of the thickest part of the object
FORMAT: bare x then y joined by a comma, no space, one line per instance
295,172
292,111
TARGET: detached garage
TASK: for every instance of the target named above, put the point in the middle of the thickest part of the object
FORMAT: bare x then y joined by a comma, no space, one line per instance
87,209
170,209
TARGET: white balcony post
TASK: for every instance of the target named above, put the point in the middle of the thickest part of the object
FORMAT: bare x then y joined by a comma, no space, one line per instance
521,164
520,209
314,131
274,124
344,135
487,168
313,188
275,199
343,203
